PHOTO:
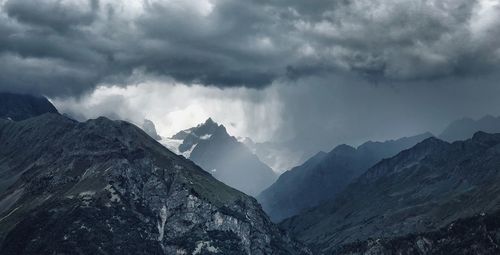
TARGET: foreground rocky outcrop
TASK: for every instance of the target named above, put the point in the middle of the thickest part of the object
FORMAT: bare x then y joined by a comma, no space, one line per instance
106,187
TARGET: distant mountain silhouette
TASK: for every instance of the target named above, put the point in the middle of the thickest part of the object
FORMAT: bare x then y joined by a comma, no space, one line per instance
323,176
464,129
150,129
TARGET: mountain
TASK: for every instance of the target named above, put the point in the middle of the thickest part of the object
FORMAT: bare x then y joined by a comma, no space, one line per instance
19,107
474,235
106,187
150,129
230,161
280,156
465,128
421,189
323,176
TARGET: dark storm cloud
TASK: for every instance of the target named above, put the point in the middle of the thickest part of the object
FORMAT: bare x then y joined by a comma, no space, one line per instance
67,47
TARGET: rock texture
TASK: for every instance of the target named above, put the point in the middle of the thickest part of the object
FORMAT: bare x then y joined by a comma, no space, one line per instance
419,190
323,176
106,187
19,107
478,235
210,146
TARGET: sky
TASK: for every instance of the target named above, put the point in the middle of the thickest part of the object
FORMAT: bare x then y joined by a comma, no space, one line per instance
313,73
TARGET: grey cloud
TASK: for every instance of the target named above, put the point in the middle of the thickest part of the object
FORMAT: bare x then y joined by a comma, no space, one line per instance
61,48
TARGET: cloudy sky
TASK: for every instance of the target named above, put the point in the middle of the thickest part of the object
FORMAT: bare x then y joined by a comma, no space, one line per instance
313,72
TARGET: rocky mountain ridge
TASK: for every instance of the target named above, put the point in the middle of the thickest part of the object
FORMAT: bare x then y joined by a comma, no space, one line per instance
421,189
105,186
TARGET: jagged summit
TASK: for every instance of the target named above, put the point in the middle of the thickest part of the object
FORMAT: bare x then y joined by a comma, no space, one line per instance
230,161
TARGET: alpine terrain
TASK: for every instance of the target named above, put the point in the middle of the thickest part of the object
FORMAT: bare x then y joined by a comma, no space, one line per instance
323,176
420,190
230,161
106,187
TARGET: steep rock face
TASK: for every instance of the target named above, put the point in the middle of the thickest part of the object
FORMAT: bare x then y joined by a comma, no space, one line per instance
19,107
150,129
106,187
419,190
232,163
465,128
323,176
475,235
210,146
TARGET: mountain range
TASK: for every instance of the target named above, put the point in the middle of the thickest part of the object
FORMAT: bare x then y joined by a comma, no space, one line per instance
230,161
106,187
323,176
420,190
464,128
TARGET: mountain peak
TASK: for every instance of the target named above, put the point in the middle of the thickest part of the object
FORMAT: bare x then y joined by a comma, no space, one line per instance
101,171
20,107
149,127
210,121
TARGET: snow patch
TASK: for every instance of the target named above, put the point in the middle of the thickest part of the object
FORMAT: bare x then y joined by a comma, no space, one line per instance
171,144
187,153
206,137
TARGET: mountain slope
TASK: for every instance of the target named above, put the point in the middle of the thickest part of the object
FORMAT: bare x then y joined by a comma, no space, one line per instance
323,176
107,187
419,190
19,107
475,235
210,146
465,128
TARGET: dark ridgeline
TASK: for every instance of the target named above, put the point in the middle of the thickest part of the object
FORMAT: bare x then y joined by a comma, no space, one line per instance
105,186
20,107
323,176
421,189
